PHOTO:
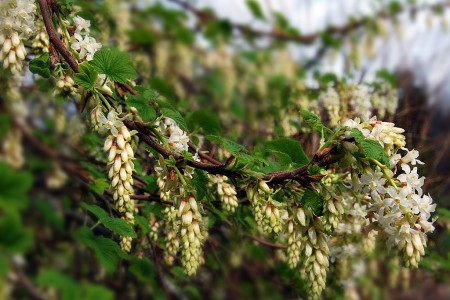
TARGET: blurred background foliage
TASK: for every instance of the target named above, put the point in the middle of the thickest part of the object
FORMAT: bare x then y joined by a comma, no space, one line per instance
243,80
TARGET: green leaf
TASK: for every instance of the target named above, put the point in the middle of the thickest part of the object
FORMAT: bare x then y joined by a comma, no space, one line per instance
315,123
314,201
97,292
143,269
372,149
14,237
204,120
387,76
256,10
69,289
118,226
99,186
99,212
290,147
200,182
86,77
145,110
14,187
229,145
40,65
115,64
65,6
107,251
143,224
174,115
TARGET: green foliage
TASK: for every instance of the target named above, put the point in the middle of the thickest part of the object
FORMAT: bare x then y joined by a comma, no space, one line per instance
69,289
143,269
314,201
86,77
387,76
5,125
372,149
115,64
293,149
145,110
99,186
14,237
315,123
14,187
41,65
200,183
119,226
65,6
205,121
106,250
256,9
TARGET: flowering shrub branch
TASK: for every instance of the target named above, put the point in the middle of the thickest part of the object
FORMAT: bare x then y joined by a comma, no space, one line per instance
361,184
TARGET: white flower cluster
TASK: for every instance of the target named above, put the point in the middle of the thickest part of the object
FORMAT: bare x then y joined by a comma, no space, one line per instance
177,138
395,196
17,24
331,101
225,191
84,44
120,165
360,101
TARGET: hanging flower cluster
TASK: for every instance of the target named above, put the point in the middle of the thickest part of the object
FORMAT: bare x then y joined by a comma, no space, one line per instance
17,24
120,169
397,203
225,191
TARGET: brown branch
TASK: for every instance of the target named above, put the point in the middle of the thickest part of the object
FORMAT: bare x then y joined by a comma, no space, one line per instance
26,282
266,243
46,12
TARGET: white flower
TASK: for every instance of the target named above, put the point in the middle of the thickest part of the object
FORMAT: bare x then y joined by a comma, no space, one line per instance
374,182
410,158
111,122
411,179
82,25
86,46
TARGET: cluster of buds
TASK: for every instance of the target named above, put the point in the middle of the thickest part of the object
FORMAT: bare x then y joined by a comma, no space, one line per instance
316,259
333,208
267,215
294,243
191,233
41,42
120,173
225,191
65,86
172,241
154,229
17,23
12,150
13,52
